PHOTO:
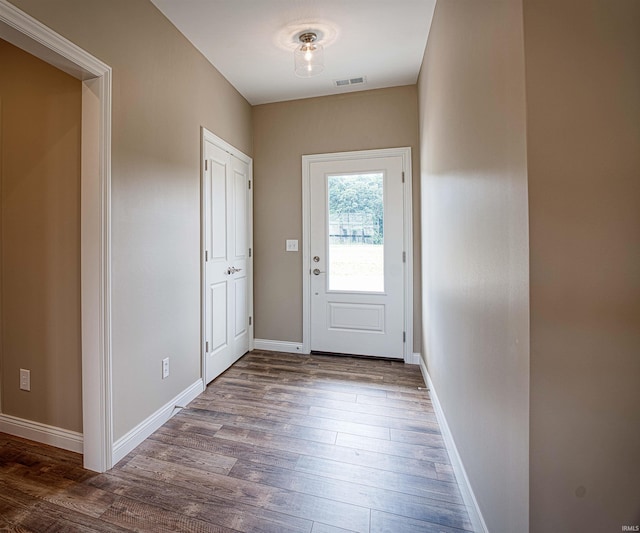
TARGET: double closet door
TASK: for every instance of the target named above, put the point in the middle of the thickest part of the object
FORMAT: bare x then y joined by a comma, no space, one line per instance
227,283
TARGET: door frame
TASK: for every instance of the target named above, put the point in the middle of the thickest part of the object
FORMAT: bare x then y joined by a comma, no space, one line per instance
208,136
307,160
25,32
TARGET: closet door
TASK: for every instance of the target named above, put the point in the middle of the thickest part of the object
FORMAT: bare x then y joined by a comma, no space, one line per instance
227,201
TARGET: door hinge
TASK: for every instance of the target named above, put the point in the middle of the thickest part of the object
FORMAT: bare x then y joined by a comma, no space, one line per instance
206,164
206,256
249,252
404,257
403,176
404,336
206,347
250,320
249,184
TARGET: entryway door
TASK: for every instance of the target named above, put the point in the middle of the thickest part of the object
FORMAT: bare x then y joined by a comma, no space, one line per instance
226,251
356,246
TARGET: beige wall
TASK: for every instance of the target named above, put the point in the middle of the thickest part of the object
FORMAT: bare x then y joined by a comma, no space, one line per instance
582,170
475,246
163,92
40,119
583,128
283,133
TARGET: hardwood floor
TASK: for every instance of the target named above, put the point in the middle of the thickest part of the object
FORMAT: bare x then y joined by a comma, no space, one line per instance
278,443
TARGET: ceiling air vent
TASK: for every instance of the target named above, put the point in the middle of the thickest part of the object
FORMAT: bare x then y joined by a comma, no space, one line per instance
350,81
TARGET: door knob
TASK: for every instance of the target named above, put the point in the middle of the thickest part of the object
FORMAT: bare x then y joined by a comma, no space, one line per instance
316,271
233,270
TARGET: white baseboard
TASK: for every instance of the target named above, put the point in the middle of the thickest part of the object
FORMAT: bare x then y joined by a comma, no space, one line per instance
475,515
278,346
133,438
413,359
35,431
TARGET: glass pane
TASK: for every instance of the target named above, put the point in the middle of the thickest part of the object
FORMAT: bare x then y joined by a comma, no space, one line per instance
356,232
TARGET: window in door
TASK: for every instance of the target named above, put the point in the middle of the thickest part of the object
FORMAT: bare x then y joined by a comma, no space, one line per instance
356,232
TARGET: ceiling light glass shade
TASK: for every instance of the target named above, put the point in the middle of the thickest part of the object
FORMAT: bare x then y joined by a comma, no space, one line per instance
308,57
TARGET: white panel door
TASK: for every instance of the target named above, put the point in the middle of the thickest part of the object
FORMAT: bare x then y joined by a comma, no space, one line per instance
356,249
226,246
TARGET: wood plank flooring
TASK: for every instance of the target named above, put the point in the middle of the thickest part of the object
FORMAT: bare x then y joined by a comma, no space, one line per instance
278,443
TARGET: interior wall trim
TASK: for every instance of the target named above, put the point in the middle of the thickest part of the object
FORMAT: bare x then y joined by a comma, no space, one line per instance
144,429
475,515
27,33
278,346
43,433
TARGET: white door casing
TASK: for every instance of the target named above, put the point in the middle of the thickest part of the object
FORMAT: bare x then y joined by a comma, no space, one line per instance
347,318
227,266
30,35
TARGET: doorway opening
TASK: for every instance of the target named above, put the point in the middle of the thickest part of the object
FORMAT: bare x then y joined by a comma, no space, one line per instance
25,32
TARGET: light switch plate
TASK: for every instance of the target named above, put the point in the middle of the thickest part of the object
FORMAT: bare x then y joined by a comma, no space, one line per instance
25,379
292,245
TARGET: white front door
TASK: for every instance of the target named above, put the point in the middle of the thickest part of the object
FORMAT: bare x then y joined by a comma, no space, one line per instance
356,255
226,204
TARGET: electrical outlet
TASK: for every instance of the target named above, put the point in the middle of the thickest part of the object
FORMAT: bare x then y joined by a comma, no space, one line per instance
165,368
25,379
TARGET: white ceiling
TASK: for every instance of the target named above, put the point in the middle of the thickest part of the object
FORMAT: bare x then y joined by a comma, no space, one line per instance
251,42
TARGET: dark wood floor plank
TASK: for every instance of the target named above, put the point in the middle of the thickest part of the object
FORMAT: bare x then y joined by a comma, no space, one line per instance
370,409
324,528
14,506
279,443
239,450
59,492
282,427
22,479
270,497
180,423
53,519
421,405
406,483
335,385
390,523
328,372
420,395
140,516
392,408
25,512
205,460
27,446
377,410
263,418
67,465
415,437
381,499
445,472
411,451
343,454
406,424
248,403
298,392
200,505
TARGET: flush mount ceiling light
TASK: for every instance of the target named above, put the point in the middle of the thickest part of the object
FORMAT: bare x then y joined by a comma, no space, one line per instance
309,56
